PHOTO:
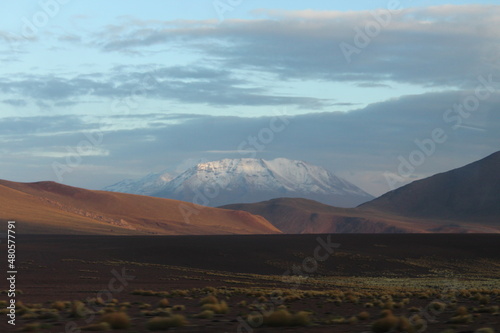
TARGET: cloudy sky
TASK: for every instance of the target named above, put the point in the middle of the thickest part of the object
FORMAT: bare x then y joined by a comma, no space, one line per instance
380,92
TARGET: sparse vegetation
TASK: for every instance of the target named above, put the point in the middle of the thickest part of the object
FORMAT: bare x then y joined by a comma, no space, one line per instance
205,314
485,330
163,303
387,303
164,323
116,320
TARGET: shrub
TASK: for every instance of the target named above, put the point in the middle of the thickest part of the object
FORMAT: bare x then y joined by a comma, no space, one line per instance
205,314
59,305
404,325
485,330
49,314
164,323
301,318
144,292
78,310
210,299
179,308
389,305
281,318
461,319
209,289
117,320
278,318
339,320
163,303
485,299
437,306
385,324
363,315
461,311
385,313
219,308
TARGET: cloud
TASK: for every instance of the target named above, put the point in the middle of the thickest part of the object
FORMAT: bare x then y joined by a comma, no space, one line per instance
446,46
15,102
186,84
372,85
360,145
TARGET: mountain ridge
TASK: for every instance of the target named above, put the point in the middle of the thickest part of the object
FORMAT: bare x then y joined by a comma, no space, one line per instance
247,180
462,200
468,192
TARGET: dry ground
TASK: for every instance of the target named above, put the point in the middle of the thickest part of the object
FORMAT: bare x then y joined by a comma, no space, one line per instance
366,273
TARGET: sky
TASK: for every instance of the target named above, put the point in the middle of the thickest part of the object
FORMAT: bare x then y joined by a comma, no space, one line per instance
381,93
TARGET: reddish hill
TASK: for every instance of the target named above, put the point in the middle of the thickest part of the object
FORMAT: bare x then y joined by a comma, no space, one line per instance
300,216
48,207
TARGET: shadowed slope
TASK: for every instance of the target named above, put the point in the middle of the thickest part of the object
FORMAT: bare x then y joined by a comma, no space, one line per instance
470,193
48,207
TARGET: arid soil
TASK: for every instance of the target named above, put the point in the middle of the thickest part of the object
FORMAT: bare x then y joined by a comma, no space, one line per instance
270,283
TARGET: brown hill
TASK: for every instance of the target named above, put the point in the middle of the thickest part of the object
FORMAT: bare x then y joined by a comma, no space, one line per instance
470,193
48,207
301,216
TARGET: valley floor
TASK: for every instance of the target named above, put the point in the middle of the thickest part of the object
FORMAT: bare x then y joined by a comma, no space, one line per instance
294,283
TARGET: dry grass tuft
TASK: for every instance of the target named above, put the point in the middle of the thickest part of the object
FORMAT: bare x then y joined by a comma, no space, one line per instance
211,299
78,310
485,330
117,320
386,324
163,303
164,323
363,315
59,305
205,314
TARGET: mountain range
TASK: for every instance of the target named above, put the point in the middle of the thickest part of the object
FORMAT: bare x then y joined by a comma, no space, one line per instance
462,200
248,180
465,199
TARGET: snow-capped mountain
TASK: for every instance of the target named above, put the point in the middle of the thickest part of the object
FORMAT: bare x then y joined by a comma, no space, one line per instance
148,185
249,180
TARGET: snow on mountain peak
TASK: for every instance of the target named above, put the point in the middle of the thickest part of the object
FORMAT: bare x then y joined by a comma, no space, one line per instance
249,180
